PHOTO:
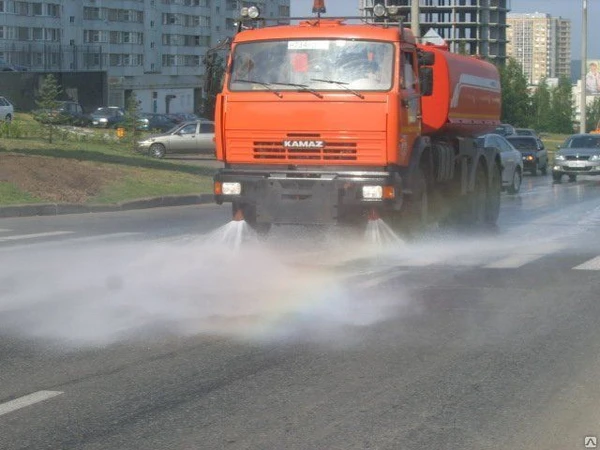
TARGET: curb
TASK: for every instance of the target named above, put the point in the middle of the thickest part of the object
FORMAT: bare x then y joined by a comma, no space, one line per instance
55,209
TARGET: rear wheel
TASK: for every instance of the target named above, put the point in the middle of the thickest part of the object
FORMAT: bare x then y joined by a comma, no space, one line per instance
494,188
157,150
414,217
8,118
517,179
572,178
557,177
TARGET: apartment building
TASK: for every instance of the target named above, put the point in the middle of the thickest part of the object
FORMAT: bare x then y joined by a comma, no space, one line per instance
541,44
151,47
475,27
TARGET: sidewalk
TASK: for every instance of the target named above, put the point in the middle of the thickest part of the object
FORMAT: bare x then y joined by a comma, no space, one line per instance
53,209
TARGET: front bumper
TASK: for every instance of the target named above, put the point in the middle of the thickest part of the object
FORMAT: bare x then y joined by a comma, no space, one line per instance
577,167
309,197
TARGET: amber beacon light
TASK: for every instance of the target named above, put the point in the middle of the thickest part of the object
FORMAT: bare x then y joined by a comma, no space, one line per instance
319,7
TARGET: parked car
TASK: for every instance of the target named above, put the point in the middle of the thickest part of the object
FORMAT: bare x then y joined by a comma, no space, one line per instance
66,113
7,110
183,117
107,117
525,132
505,129
580,154
5,66
189,137
512,161
159,122
535,155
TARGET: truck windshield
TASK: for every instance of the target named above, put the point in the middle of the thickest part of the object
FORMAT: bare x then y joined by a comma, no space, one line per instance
316,65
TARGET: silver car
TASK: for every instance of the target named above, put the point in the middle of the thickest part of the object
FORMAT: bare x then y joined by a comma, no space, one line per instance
7,111
188,137
579,155
512,161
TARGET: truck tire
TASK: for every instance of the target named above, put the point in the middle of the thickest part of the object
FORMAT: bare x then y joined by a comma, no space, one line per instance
414,217
471,209
492,211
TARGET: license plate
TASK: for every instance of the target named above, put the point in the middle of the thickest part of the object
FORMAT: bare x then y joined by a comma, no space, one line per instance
576,163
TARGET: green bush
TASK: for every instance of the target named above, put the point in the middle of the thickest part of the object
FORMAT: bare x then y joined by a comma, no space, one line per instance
11,130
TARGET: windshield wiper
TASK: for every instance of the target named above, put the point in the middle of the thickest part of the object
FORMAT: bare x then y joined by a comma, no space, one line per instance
339,83
303,87
267,85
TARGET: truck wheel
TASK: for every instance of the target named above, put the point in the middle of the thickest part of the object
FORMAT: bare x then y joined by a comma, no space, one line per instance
544,169
492,208
471,210
572,178
415,216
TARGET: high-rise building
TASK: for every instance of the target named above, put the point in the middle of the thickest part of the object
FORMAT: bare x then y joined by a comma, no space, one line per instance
152,47
475,27
541,44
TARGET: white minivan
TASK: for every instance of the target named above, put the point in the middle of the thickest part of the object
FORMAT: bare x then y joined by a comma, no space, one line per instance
7,110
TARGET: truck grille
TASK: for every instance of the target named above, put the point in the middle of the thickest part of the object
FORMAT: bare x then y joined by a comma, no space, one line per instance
331,150
577,158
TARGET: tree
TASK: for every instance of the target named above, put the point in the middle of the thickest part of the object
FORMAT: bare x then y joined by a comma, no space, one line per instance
47,102
593,115
562,107
541,113
131,121
515,95
213,80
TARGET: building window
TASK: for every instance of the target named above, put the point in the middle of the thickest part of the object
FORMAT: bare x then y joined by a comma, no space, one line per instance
36,9
38,34
53,10
91,13
72,19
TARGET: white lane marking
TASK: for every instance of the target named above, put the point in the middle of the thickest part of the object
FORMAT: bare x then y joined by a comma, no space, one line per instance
379,279
592,264
4,230
513,261
100,237
27,400
34,235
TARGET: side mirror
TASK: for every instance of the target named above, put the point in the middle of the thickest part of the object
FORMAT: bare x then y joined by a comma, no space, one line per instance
426,58
426,81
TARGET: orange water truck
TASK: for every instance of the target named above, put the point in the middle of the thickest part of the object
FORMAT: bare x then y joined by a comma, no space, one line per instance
334,121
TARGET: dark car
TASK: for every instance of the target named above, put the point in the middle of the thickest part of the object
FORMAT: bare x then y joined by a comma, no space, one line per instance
535,156
525,132
66,113
151,122
182,117
9,67
579,155
505,129
107,117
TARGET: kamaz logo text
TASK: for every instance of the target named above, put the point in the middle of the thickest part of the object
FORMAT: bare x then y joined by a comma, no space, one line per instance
304,144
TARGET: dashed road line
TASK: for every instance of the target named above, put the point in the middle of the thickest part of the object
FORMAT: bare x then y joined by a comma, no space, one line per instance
18,237
513,261
592,264
75,240
27,400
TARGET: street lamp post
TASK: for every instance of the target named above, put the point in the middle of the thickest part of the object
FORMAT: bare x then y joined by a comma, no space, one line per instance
582,116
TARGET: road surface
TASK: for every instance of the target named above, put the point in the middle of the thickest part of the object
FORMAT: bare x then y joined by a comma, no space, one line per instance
151,330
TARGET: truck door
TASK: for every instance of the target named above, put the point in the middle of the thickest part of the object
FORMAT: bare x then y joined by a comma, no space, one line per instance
410,102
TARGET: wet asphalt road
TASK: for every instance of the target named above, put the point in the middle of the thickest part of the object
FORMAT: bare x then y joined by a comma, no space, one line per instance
142,333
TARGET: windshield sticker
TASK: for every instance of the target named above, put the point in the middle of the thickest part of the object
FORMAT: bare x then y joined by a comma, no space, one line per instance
308,45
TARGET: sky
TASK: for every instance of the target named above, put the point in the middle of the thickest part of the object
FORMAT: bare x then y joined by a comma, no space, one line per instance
568,9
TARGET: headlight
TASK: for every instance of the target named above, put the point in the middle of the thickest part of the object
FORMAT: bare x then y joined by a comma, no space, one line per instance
230,188
379,10
102,119
253,12
594,157
560,158
372,192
